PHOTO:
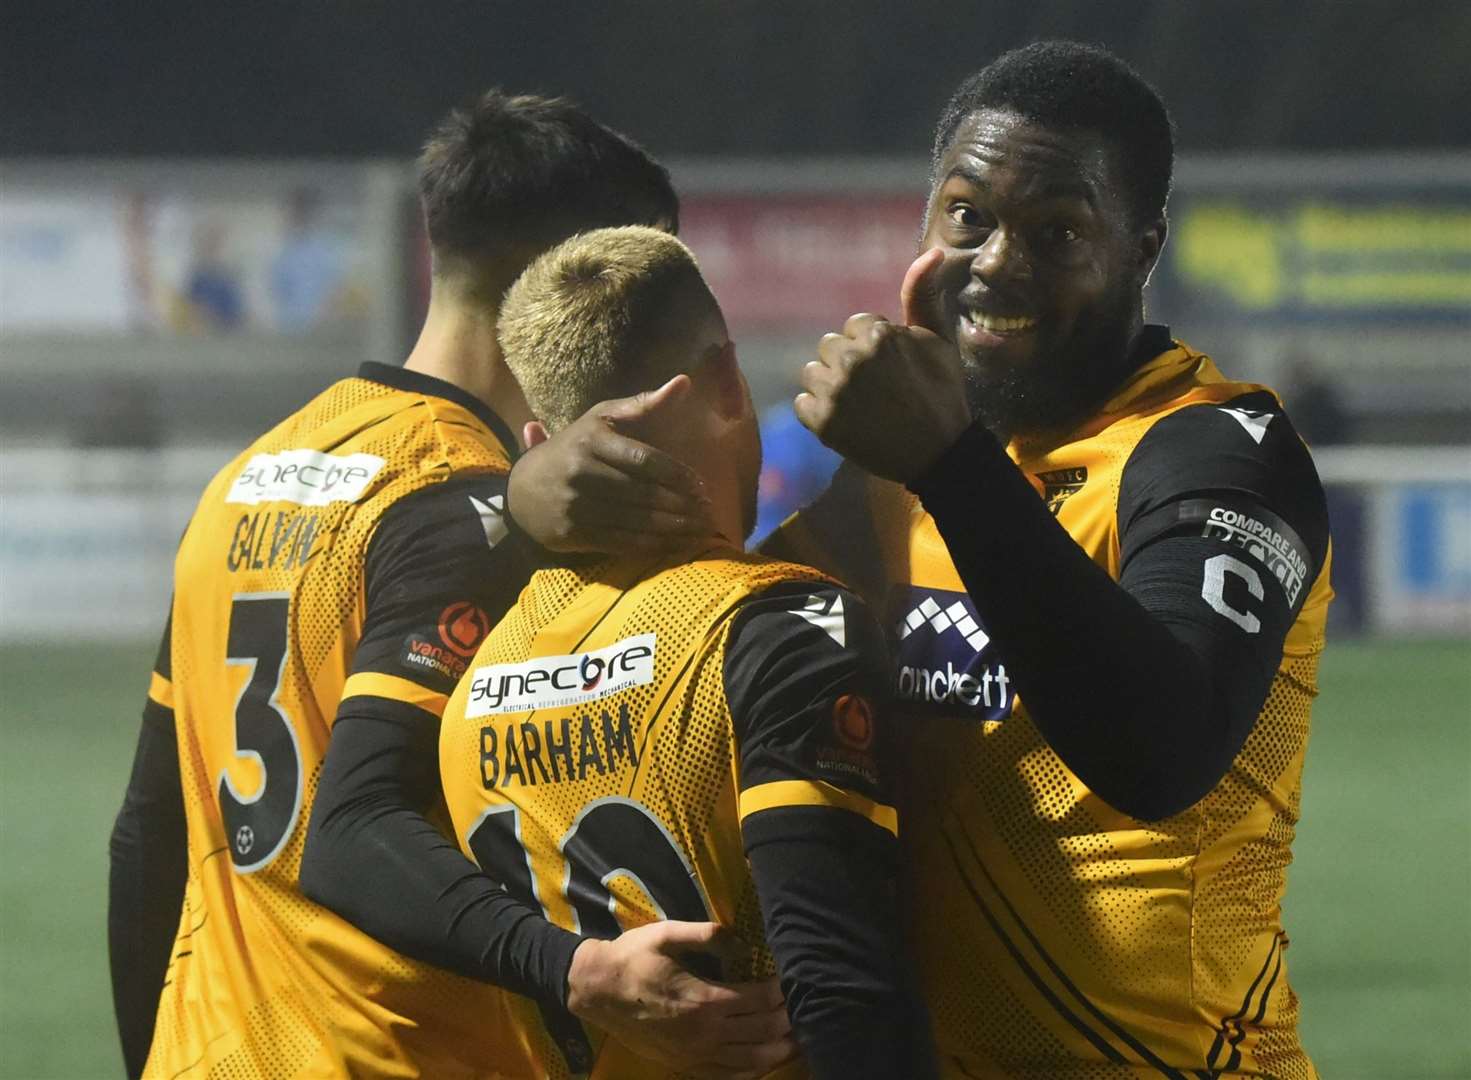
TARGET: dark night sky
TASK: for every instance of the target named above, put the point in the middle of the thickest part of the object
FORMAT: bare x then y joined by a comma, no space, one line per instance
368,77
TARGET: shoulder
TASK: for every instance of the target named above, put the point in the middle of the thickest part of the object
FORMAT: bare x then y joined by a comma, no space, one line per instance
1246,444
454,530
799,623
1237,466
471,498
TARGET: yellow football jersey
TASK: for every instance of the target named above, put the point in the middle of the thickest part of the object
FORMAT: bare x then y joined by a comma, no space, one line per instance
1055,935
266,624
591,759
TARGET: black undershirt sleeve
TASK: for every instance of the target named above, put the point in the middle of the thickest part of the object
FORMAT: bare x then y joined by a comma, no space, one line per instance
442,569
803,676
149,865
1148,687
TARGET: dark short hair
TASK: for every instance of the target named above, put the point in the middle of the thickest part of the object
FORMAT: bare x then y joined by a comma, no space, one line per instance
511,170
1069,85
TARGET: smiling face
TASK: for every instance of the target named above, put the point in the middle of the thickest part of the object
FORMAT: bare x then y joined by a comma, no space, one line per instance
1043,272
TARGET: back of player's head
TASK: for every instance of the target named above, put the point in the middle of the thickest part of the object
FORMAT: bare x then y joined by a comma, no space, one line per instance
1065,85
511,174
603,314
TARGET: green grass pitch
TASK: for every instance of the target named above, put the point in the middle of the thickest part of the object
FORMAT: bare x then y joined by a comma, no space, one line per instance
1378,907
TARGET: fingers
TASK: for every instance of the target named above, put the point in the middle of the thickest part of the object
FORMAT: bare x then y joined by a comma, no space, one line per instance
760,1027
919,294
860,324
677,936
645,462
646,403
704,937
613,526
813,411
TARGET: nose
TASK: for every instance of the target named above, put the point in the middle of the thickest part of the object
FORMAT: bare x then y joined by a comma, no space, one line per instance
1001,260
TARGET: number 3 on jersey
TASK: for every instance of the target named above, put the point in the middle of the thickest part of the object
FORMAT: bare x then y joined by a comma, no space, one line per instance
258,825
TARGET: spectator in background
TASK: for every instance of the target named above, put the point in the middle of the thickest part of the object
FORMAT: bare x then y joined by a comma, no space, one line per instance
213,298
307,274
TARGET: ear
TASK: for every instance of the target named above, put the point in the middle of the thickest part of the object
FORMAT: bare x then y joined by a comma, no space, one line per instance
533,434
1151,243
732,397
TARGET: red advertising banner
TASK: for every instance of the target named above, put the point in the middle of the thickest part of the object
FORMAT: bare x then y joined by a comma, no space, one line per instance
797,263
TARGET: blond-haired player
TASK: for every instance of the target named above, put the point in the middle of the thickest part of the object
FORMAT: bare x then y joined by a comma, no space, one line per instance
689,736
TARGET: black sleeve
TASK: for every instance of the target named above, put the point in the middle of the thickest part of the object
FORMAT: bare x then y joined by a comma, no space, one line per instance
149,864
1147,687
441,570
803,674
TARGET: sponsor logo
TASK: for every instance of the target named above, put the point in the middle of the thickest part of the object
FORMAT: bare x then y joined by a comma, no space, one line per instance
492,515
1061,484
554,682
826,615
1270,542
1254,422
853,721
305,477
944,660
956,615
462,627
424,654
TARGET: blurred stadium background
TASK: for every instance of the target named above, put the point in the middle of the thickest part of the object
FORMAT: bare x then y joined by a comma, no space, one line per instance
207,215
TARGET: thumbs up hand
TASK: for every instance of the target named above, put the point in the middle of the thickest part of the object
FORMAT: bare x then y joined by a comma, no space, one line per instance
889,397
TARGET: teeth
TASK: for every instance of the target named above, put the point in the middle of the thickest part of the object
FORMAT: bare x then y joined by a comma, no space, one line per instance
995,324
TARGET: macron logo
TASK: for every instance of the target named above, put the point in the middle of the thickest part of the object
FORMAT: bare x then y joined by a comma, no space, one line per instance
492,514
827,619
1254,423
942,619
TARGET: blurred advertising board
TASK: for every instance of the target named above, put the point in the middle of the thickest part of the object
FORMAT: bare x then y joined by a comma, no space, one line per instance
114,259
1386,254
87,538
802,263
1420,568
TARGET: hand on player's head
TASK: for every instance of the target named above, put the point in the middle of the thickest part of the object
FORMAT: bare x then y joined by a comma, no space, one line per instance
593,487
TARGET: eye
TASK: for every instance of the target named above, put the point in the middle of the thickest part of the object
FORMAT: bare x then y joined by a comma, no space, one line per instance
966,223
964,216
1059,235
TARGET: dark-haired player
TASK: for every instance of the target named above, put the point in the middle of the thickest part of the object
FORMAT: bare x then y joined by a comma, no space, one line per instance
1107,576
278,893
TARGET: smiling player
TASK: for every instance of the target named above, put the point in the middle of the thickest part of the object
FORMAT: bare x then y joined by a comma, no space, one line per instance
1107,582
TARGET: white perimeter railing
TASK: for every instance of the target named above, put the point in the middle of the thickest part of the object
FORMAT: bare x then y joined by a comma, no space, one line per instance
87,536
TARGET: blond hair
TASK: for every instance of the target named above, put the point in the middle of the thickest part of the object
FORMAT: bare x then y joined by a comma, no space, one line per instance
581,323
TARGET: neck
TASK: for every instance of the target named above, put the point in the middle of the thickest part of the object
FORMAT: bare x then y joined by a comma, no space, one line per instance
458,344
723,486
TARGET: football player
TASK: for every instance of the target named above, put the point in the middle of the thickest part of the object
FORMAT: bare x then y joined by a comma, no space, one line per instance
690,735
280,900
1105,567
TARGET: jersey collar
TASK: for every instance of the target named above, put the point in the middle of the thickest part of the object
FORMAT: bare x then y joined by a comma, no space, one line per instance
416,382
